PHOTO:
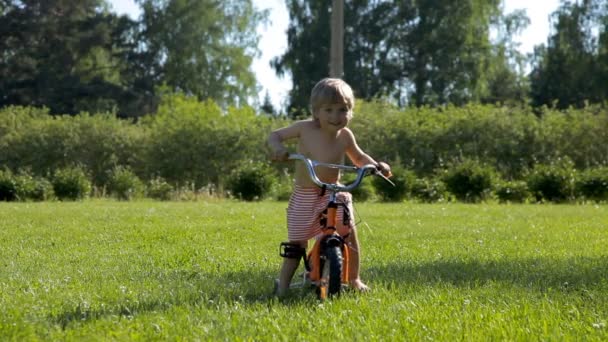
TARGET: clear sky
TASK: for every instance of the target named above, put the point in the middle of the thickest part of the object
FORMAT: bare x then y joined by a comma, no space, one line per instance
274,41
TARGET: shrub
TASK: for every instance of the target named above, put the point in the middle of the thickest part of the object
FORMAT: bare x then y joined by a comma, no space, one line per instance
43,190
283,187
469,180
364,192
124,184
71,183
554,182
429,190
28,187
593,184
512,191
403,180
158,188
252,181
8,191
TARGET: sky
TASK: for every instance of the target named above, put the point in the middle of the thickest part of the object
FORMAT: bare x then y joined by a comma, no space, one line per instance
273,41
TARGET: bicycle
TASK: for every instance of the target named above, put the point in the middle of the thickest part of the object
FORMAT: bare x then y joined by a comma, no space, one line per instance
326,265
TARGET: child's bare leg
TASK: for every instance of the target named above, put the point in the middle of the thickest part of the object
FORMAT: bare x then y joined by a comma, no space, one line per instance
354,262
289,267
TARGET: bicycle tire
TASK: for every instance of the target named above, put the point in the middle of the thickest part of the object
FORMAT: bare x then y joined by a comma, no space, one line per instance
332,268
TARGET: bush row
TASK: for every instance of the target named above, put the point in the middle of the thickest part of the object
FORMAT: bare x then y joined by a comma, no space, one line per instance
188,144
468,181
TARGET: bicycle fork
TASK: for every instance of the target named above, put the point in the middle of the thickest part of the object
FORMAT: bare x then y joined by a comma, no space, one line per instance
319,257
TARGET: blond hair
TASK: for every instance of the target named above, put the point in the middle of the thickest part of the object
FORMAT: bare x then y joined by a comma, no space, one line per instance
329,91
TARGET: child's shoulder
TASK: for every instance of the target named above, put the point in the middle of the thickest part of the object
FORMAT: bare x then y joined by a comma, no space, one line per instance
306,124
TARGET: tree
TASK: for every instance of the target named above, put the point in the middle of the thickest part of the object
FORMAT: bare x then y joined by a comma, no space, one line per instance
74,56
202,48
59,54
267,106
422,52
571,69
506,75
449,49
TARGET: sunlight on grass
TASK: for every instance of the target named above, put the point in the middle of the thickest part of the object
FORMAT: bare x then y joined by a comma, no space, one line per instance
153,270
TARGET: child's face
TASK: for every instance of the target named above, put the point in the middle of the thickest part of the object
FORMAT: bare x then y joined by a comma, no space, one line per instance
333,116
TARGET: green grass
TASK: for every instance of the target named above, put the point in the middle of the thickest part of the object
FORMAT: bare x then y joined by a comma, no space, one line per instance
105,270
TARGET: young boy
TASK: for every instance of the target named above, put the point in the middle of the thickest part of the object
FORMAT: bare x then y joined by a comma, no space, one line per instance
324,138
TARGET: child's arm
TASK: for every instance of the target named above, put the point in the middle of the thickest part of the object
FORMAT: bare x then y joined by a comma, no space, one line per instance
360,158
278,151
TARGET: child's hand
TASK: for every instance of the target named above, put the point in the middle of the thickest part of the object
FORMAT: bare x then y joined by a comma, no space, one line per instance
281,154
385,169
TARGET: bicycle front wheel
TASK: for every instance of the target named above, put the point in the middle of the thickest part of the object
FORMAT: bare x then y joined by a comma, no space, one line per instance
332,272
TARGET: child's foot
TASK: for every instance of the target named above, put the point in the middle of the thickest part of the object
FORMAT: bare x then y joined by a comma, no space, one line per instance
358,285
277,291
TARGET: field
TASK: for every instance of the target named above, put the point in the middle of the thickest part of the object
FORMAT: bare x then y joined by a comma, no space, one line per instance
106,270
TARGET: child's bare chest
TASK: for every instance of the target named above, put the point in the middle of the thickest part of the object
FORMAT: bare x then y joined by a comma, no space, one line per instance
322,148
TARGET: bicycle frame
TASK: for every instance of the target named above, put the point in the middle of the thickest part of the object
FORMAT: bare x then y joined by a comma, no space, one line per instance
330,237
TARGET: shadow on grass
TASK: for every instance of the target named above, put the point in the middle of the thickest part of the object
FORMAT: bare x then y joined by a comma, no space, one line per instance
185,288
220,291
533,273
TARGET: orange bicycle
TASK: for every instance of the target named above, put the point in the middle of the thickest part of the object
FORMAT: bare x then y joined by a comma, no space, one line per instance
326,265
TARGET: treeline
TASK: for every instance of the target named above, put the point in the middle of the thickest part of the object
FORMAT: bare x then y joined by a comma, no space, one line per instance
74,56
438,52
194,144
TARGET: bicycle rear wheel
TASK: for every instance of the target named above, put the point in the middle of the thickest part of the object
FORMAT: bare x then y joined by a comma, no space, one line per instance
331,274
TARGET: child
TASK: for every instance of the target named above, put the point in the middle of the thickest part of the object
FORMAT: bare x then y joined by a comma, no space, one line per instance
324,138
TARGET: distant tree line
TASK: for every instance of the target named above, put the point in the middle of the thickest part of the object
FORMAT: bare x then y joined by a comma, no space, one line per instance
74,56
436,52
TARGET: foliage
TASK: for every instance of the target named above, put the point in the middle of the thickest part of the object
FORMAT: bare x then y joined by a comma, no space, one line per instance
124,184
552,182
592,184
283,187
571,70
62,54
403,180
509,139
77,56
429,190
252,181
8,191
71,183
159,189
42,143
364,192
195,141
406,51
512,192
28,187
204,48
469,180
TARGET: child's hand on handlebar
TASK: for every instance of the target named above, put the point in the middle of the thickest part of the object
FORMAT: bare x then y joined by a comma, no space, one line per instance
385,169
281,154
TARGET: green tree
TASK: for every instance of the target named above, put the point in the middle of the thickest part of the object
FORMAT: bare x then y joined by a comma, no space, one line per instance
74,56
59,54
421,52
203,48
505,74
267,106
571,69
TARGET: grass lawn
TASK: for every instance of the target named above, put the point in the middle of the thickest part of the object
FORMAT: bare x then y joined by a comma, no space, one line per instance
106,270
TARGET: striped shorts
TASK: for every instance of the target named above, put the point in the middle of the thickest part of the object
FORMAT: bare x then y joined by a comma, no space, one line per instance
305,210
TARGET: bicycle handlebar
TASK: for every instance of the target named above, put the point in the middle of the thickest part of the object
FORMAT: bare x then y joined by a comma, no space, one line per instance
361,172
